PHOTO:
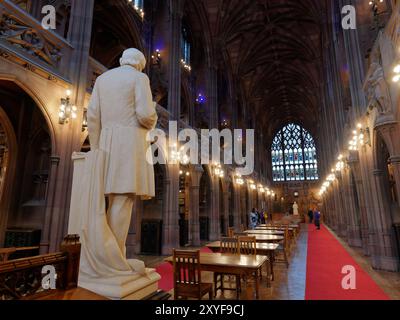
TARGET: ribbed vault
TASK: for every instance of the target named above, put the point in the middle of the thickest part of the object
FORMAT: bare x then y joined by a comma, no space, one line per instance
273,48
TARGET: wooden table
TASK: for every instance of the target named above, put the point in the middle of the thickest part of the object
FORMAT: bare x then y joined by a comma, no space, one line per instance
268,238
294,226
265,249
234,264
265,232
292,231
274,228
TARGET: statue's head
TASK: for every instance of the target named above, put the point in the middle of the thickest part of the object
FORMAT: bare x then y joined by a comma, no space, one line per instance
133,57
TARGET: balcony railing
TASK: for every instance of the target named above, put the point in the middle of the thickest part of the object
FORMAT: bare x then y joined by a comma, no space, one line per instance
23,37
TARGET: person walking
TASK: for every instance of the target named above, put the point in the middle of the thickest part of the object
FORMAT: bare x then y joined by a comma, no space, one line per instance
317,217
253,219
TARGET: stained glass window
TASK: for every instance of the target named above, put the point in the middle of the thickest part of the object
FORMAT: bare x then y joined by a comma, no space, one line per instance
294,156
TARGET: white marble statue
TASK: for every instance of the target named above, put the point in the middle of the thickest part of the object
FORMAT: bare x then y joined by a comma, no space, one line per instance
295,209
120,114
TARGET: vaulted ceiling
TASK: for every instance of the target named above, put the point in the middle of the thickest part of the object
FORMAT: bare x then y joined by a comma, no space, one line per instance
273,49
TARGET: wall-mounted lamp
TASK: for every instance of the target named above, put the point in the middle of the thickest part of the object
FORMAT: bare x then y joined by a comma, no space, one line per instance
181,173
360,138
67,111
396,71
201,99
239,180
84,121
185,65
217,170
156,57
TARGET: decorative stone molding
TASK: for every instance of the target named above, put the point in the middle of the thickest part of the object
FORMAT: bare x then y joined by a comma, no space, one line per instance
24,42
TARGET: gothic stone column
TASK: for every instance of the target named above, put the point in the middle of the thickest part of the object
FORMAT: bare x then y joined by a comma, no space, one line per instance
171,215
384,255
194,222
215,229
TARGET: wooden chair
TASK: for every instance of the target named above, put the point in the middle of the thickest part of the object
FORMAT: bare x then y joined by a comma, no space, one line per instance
228,245
231,232
284,248
240,234
248,246
187,276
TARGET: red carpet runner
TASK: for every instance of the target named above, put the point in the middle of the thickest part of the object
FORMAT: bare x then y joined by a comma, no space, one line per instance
165,270
325,260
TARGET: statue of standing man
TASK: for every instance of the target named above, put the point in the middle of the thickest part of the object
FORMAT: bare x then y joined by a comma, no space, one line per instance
295,209
120,114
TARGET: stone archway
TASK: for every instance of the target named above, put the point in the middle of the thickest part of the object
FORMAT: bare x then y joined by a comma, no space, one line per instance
8,161
30,143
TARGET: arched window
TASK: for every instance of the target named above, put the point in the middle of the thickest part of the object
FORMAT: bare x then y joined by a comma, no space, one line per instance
294,156
185,46
138,4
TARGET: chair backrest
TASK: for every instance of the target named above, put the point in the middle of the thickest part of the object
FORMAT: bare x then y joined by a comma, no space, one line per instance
186,267
247,245
238,234
231,231
229,245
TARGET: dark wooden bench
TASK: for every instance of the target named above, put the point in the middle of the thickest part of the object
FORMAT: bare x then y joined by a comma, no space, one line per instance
22,278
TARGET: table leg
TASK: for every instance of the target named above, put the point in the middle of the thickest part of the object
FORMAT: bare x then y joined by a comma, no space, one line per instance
268,266
272,260
256,279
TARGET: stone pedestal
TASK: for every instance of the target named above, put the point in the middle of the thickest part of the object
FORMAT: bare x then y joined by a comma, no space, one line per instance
130,287
134,287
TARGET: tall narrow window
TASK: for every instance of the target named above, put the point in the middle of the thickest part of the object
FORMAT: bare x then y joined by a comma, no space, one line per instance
138,4
294,156
185,46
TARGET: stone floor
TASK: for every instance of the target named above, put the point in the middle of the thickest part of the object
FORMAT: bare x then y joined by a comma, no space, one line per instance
290,283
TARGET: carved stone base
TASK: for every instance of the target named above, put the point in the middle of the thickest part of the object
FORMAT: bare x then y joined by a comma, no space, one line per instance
134,287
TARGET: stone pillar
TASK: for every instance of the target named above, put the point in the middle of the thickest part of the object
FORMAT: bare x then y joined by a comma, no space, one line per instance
175,68
395,161
79,35
215,229
212,98
171,219
384,255
171,214
236,207
341,210
45,240
194,222
225,199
